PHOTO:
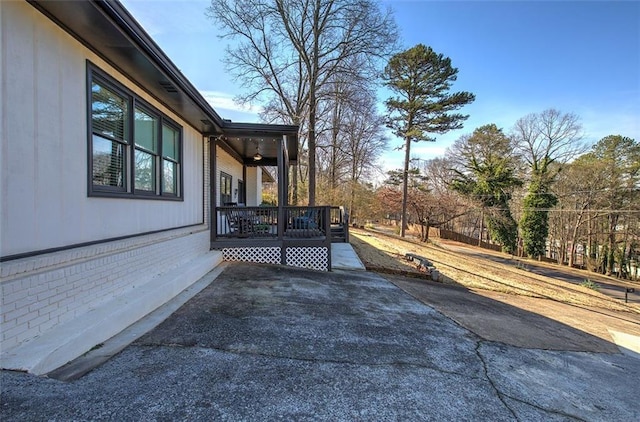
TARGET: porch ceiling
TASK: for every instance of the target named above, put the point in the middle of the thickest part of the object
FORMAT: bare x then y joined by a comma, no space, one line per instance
247,139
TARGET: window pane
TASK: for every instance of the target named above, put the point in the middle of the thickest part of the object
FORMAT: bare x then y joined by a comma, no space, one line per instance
109,112
170,139
170,177
108,162
145,171
225,189
146,131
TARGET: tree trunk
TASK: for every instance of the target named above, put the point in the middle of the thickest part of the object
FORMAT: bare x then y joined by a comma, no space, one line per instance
312,148
425,238
405,185
613,222
481,228
574,239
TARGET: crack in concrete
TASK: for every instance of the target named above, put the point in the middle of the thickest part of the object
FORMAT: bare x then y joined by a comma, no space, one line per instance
488,378
499,394
312,360
502,395
555,412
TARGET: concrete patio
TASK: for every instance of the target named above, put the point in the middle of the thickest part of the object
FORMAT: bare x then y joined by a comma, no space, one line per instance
262,342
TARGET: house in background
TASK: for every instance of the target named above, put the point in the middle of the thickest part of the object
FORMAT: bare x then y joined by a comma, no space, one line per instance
120,185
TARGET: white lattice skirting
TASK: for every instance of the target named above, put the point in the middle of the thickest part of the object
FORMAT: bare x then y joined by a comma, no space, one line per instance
315,258
263,255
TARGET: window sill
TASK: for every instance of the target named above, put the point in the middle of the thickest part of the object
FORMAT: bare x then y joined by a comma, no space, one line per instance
118,195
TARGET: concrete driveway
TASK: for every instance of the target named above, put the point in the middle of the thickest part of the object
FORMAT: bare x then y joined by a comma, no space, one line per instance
267,342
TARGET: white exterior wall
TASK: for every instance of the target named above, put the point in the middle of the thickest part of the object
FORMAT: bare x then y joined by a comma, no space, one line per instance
44,146
56,306
226,164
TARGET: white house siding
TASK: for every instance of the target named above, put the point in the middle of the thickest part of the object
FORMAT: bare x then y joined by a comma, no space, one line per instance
98,289
226,164
44,160
253,182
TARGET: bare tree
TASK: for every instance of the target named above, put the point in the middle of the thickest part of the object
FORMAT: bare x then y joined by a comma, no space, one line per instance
548,137
289,50
544,139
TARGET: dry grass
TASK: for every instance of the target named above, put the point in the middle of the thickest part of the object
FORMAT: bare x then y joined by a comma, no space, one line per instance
386,253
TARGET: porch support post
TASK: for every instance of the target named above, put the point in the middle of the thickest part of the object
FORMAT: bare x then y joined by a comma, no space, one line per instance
327,230
213,188
282,195
243,194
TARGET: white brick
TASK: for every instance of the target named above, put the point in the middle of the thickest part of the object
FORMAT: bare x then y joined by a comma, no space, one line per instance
44,296
46,310
12,333
14,297
25,301
37,302
64,303
8,288
58,297
15,314
7,307
35,290
26,317
54,284
8,324
54,314
47,325
39,320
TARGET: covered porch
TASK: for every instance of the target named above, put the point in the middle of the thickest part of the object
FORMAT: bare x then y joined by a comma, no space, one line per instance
242,227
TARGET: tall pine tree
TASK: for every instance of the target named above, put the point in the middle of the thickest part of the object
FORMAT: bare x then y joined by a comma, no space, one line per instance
420,80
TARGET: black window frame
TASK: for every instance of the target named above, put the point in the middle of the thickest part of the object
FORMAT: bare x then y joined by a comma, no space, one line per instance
129,190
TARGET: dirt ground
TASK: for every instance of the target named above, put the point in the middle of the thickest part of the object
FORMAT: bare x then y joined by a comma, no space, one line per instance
479,293
386,254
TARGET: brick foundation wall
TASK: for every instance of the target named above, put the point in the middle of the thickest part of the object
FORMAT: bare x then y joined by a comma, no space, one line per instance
41,292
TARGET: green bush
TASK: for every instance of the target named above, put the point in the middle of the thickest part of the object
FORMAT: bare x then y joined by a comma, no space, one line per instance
590,285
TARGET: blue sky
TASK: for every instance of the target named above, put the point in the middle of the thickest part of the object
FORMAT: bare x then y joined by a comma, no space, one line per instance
517,57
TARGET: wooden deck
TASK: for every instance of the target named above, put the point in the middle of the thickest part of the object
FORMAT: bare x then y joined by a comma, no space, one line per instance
280,234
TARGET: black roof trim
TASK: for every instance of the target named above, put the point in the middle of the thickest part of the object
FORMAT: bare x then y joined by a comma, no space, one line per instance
266,128
130,25
108,28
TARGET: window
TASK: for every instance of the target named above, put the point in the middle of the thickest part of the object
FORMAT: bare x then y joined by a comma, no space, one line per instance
170,158
109,121
241,193
135,151
225,189
146,151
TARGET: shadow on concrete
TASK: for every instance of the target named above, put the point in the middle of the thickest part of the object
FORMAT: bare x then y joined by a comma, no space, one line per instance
494,320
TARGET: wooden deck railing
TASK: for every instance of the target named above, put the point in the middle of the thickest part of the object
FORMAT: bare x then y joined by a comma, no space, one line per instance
267,222
318,222
296,236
